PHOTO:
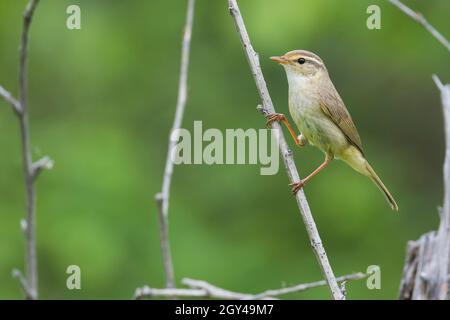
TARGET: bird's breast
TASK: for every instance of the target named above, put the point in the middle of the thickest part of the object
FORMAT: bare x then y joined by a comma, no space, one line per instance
318,128
303,98
304,108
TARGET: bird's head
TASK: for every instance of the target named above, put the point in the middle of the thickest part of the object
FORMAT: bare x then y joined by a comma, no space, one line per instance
300,63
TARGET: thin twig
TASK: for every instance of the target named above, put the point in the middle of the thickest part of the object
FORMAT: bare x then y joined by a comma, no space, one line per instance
306,286
10,99
214,291
162,198
31,170
291,169
203,289
418,17
31,257
165,243
147,292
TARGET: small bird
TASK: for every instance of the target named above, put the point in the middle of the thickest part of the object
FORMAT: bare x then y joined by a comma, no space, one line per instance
322,118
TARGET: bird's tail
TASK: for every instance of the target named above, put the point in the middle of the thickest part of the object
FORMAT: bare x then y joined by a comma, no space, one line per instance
372,175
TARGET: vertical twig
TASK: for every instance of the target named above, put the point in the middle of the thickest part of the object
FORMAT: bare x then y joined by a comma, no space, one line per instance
30,230
291,169
31,170
419,18
162,198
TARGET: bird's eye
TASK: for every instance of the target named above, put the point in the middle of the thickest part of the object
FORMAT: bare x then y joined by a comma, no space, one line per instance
301,60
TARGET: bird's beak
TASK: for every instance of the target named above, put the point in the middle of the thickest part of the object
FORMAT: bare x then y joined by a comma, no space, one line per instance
280,60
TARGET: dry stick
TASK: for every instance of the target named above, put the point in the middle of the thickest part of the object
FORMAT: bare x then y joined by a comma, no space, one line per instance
32,272
421,19
31,170
306,286
162,198
203,289
291,169
440,288
214,291
198,288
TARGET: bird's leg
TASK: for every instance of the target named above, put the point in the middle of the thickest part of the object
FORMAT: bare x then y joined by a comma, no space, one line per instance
296,186
281,117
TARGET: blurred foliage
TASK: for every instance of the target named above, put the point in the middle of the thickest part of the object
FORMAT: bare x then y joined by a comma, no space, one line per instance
102,101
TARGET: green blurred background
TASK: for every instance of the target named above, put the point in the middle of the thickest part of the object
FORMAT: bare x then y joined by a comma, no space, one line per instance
102,100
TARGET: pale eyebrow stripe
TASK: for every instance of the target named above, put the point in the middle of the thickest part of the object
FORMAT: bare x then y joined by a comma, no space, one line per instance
320,63
309,58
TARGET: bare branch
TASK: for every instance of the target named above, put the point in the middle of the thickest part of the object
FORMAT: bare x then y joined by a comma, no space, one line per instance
291,169
306,286
213,291
29,176
203,289
164,242
10,99
147,292
162,198
418,17
23,62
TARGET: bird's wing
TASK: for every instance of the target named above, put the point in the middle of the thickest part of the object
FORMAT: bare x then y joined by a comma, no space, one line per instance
333,106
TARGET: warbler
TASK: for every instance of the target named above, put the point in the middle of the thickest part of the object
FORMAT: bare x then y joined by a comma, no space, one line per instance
322,118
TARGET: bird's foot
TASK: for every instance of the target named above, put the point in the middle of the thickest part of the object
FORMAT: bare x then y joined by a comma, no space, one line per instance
271,118
296,186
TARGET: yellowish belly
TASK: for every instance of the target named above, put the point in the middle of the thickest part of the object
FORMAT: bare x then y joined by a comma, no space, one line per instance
319,129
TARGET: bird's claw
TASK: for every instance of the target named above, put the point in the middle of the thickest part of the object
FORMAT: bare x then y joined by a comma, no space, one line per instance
296,186
271,118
